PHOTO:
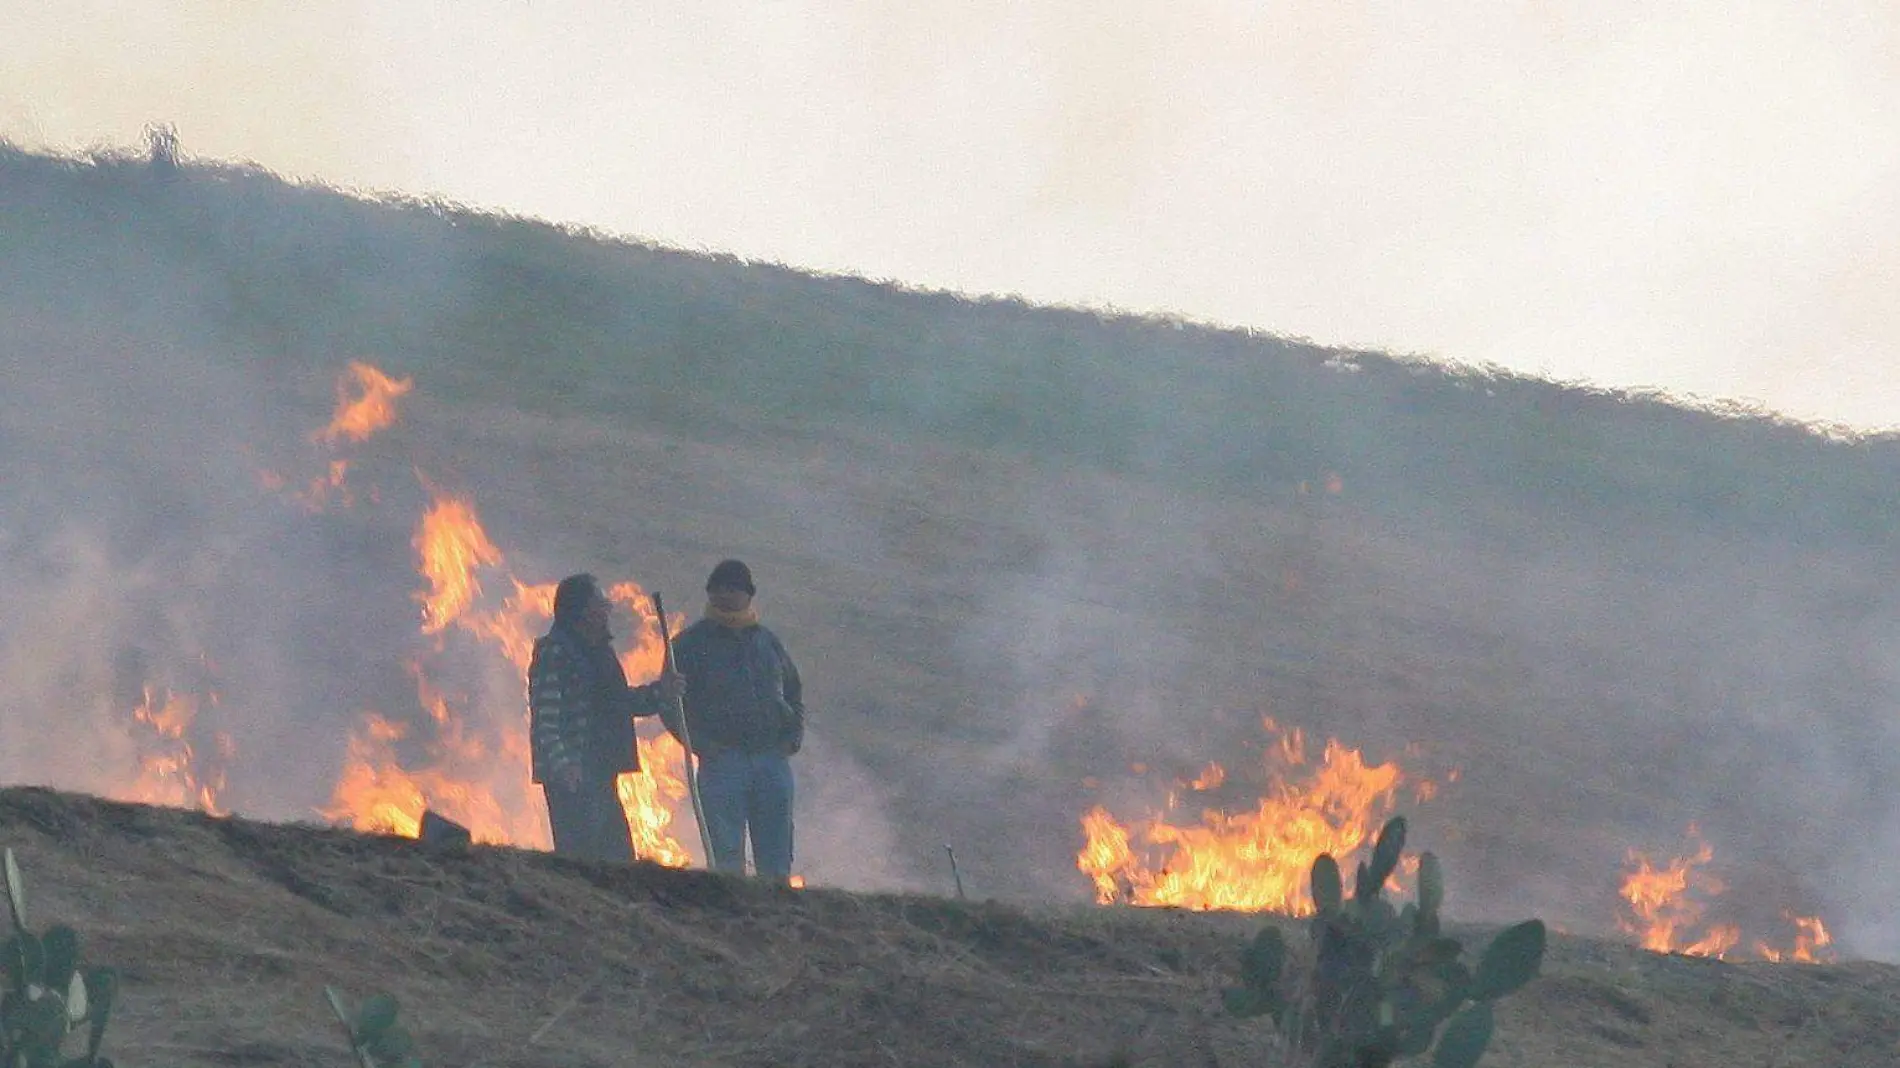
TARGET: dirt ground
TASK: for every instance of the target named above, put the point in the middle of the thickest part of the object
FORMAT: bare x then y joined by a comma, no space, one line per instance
227,930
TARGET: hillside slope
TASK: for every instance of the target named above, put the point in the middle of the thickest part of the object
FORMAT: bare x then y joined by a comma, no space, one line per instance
1032,561
226,931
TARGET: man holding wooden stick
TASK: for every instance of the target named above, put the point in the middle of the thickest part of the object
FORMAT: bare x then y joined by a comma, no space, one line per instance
744,717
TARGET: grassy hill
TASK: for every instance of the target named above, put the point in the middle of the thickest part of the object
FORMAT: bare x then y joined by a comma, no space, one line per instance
1019,552
508,959
555,321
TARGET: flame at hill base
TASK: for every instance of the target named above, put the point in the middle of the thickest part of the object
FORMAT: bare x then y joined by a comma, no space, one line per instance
478,775
467,757
1258,860
1665,906
171,770
1810,946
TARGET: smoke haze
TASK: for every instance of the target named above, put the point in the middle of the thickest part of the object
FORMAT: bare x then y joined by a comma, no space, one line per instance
986,624
1692,198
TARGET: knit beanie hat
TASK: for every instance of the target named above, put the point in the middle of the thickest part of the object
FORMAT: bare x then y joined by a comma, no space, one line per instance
574,594
731,575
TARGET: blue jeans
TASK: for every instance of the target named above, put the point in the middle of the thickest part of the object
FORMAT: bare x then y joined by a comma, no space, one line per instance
741,791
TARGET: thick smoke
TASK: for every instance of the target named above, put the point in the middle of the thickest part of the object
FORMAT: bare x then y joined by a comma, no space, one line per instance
173,529
1595,694
142,551
992,641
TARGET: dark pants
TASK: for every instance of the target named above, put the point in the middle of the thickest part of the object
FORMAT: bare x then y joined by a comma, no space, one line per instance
588,822
748,791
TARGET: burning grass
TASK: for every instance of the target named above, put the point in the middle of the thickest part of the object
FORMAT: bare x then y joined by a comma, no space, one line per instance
464,753
465,759
476,772
1667,908
1254,860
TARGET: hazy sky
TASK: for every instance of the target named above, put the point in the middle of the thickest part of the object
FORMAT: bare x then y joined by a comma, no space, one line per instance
1703,196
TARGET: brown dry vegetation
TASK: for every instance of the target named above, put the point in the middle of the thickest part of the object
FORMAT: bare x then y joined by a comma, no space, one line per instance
227,930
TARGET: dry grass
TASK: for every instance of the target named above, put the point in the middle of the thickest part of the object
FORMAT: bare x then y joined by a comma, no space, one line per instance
227,930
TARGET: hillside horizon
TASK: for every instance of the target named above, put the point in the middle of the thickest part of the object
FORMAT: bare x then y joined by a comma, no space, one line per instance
1034,561
516,959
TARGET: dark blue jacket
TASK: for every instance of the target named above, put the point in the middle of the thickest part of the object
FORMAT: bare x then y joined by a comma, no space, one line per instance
742,690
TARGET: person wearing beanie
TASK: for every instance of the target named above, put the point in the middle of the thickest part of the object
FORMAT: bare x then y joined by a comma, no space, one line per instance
745,714
580,724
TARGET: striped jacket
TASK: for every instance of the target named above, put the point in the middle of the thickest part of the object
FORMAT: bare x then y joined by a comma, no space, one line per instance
581,710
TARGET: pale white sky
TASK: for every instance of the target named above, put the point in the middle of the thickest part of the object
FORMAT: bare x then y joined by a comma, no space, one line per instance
1702,196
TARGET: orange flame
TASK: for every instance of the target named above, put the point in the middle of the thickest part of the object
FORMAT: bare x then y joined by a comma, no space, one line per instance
1665,911
1258,860
480,778
1721,938
374,794
651,796
1663,908
1811,939
453,546
327,487
1210,778
365,403
320,492
169,772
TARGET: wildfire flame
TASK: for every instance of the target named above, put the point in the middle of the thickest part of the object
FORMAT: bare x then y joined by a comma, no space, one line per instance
651,797
476,773
169,772
365,403
1257,860
321,491
1663,905
1666,905
1811,939
453,546
480,778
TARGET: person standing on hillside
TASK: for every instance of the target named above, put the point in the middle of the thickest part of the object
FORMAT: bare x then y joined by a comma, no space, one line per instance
580,723
745,715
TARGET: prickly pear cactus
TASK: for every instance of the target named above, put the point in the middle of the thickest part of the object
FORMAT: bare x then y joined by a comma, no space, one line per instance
376,1039
1381,984
48,996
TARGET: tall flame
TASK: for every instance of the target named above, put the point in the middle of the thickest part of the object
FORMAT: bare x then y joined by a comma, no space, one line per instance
1664,905
452,546
1255,860
170,770
480,777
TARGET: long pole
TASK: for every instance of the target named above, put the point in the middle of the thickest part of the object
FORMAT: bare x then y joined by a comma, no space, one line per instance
686,736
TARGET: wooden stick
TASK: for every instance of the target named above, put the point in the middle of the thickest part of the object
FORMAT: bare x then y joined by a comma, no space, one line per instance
686,736
954,873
